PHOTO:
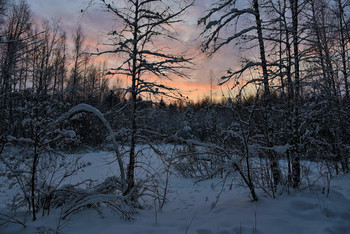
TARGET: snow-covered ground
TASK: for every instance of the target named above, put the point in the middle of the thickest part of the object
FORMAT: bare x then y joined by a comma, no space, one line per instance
188,209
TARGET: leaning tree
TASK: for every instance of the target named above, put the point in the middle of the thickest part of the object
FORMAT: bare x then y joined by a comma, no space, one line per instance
225,23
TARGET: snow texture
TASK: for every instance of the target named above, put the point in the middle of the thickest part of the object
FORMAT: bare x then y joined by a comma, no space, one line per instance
188,209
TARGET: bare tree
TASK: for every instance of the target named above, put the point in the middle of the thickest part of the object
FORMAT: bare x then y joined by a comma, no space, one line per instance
143,23
222,15
78,60
19,23
13,48
342,28
60,65
295,9
3,5
331,49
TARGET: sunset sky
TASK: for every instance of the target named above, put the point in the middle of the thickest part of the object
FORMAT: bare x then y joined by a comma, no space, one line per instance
96,24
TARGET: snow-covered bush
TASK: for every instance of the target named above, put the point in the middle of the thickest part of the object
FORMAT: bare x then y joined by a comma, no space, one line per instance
73,199
33,161
36,175
197,162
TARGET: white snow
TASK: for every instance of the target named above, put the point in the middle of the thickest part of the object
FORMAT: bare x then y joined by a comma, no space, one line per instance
282,149
188,209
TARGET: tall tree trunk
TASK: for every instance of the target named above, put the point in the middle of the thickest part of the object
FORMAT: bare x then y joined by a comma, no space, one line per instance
267,96
132,156
34,165
296,138
280,52
290,90
343,47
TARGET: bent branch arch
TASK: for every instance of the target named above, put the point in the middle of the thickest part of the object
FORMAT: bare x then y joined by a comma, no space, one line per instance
90,109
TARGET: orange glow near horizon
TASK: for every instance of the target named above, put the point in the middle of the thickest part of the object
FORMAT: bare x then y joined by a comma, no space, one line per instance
96,24
191,90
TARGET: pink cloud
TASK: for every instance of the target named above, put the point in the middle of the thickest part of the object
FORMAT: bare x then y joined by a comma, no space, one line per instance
96,24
